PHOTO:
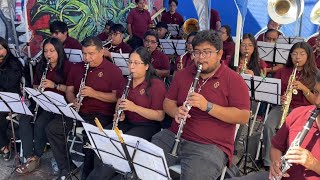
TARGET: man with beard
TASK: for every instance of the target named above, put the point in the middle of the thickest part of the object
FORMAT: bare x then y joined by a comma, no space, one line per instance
219,102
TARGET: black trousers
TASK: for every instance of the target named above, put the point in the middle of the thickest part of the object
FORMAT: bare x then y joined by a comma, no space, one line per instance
4,139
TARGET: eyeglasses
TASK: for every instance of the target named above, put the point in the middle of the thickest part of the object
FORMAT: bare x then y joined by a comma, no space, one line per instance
246,45
150,41
135,63
294,54
205,54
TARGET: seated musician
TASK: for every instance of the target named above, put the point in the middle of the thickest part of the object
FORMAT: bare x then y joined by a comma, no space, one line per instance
162,30
159,60
11,71
219,102
271,25
105,35
59,30
301,54
316,50
117,45
228,44
99,99
172,16
33,137
305,159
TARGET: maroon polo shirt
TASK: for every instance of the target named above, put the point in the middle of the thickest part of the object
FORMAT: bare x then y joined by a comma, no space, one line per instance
226,88
102,36
317,58
125,48
139,21
72,43
159,60
104,78
228,51
284,75
175,18
214,17
261,37
293,125
138,95
186,61
312,41
54,76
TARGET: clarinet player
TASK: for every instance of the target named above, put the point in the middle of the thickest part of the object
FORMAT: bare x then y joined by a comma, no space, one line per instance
220,101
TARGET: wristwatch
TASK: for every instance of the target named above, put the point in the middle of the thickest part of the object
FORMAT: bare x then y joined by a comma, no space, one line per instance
209,107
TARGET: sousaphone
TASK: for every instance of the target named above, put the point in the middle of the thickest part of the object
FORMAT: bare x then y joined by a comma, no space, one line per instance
315,14
285,11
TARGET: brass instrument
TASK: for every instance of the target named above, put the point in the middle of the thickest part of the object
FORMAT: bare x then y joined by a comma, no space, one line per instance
189,26
82,84
315,14
123,97
180,64
288,94
285,11
285,165
188,106
245,64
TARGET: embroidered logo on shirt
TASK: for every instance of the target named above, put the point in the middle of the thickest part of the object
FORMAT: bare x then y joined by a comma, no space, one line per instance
100,74
216,85
142,91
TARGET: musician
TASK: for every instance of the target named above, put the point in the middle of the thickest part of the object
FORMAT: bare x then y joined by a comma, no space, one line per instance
59,30
305,159
316,50
105,34
271,25
228,44
312,40
159,60
300,53
219,102
271,36
11,71
162,30
188,58
33,138
101,85
215,20
138,22
117,45
172,16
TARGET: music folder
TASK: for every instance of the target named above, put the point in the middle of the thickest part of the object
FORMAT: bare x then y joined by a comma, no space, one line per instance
122,61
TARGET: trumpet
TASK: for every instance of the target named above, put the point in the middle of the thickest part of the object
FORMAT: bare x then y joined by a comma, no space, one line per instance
180,64
188,106
285,165
123,97
82,84
288,94
244,65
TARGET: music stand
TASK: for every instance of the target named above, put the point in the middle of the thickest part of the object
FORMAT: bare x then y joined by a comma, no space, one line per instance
174,29
261,89
290,39
173,46
12,103
74,55
122,61
148,160
274,52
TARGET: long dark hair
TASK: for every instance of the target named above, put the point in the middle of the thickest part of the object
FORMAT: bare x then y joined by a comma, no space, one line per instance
146,59
228,31
61,58
310,69
9,55
254,63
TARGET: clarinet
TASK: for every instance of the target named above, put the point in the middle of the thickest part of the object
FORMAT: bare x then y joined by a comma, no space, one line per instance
124,96
188,106
82,84
285,165
41,88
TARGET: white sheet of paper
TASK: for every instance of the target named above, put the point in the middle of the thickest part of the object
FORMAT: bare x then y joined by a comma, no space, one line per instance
141,158
173,29
267,50
121,60
289,40
74,55
15,103
169,44
3,107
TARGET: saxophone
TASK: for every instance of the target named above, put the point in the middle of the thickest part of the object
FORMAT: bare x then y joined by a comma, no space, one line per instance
188,106
285,165
288,94
82,84
124,96
180,64
41,88
245,63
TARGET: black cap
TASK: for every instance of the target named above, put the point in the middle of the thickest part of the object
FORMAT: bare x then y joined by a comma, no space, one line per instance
162,25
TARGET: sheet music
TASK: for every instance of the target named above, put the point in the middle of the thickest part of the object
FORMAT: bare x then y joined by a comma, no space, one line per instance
266,89
172,46
121,60
14,102
173,29
289,40
268,51
111,155
74,55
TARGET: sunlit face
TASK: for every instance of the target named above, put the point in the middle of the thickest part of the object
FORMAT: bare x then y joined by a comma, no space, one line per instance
161,32
272,36
207,55
92,55
173,7
60,35
116,38
273,25
246,47
189,43
140,4
50,53
136,66
3,53
151,43
223,32
299,56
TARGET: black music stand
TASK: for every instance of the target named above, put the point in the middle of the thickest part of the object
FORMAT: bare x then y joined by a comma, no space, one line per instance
173,46
289,39
122,61
145,159
12,103
74,55
174,29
